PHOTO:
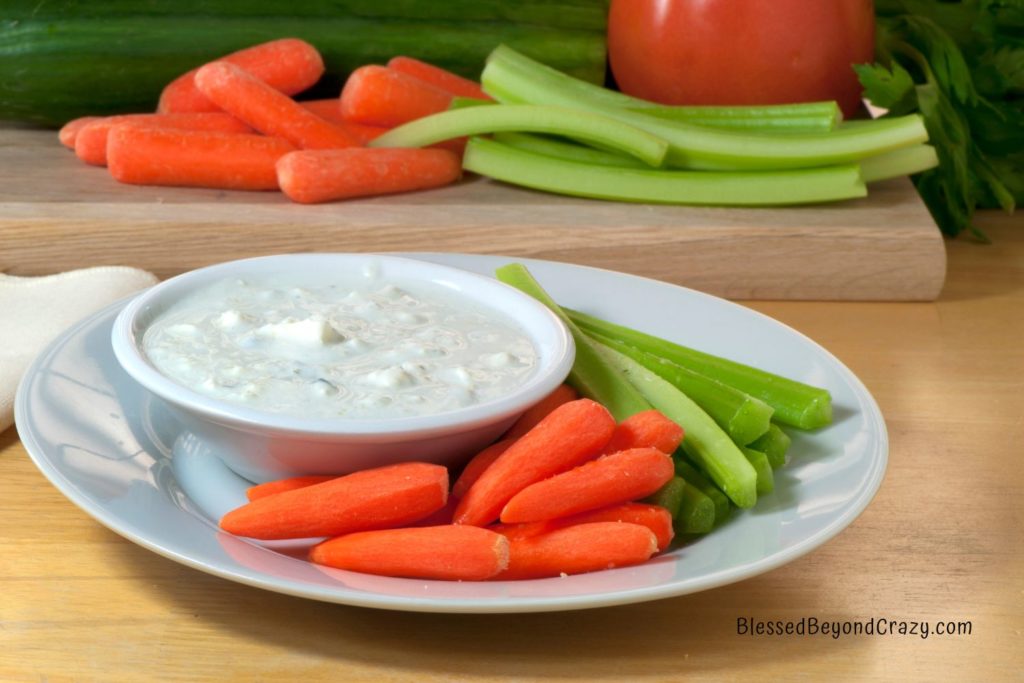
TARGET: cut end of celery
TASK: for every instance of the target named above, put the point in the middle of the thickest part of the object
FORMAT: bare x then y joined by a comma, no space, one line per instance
818,413
750,422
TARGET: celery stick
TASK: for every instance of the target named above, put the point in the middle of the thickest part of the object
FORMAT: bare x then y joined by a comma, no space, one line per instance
702,147
796,404
591,127
803,117
733,188
688,472
565,150
705,441
743,417
696,512
899,162
669,496
765,476
773,444
826,115
591,374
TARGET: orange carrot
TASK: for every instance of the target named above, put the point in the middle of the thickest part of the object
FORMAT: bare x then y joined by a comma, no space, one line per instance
288,65
648,429
312,176
69,131
281,485
190,158
438,77
379,96
654,517
577,549
454,553
91,140
330,110
616,478
573,433
240,93
537,412
475,467
381,498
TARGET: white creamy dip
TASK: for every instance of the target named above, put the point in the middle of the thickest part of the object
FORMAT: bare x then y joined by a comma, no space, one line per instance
353,346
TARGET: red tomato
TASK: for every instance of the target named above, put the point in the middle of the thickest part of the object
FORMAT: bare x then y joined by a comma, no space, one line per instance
741,51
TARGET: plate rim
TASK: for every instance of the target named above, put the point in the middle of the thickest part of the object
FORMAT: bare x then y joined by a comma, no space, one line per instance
128,530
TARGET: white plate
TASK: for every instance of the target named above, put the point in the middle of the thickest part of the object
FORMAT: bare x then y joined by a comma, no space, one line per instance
110,448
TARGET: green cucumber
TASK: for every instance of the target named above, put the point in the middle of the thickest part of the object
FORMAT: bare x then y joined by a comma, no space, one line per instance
66,58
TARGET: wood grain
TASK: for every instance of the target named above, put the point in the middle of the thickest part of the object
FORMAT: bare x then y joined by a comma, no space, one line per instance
941,540
57,214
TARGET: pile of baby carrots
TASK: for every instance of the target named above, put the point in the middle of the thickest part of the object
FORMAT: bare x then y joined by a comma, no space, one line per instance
233,124
557,495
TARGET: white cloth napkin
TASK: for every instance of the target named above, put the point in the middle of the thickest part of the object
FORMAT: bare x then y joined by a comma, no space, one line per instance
34,310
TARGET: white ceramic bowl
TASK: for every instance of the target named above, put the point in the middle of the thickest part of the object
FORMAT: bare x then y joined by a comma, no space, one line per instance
263,446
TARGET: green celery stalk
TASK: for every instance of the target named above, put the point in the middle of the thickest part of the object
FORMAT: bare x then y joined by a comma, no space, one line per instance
591,127
743,417
591,375
899,162
804,117
693,477
669,496
727,188
818,115
696,512
773,444
796,404
765,476
703,147
705,441
565,150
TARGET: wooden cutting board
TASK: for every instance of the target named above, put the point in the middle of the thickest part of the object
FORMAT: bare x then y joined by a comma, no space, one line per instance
57,214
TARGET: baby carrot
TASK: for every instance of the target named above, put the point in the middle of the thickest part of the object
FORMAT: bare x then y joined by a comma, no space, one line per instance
454,553
289,65
190,158
573,433
281,485
69,131
577,549
535,413
654,517
438,77
323,175
475,467
330,110
380,498
616,478
649,428
91,140
267,110
380,96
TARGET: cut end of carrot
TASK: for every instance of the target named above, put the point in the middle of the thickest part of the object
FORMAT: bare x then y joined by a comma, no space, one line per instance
649,428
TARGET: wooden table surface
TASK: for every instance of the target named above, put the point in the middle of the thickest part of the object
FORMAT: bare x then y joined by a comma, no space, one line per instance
941,541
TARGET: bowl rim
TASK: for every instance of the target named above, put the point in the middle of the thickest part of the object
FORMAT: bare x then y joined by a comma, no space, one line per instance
127,349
